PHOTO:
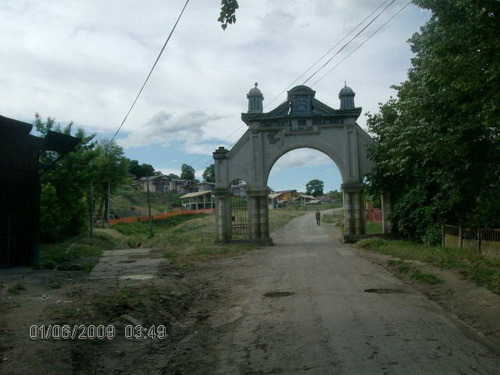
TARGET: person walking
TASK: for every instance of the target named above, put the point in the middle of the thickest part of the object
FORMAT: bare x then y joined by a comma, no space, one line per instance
318,217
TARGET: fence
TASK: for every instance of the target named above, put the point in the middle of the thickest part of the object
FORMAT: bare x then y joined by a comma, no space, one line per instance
373,214
486,241
159,216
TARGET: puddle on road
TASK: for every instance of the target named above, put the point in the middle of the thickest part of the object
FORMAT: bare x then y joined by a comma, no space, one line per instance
383,291
278,294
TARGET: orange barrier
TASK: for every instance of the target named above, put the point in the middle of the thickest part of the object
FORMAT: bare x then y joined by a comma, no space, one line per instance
374,214
133,219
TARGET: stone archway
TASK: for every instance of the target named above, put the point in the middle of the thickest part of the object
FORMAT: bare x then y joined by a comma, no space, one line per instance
301,121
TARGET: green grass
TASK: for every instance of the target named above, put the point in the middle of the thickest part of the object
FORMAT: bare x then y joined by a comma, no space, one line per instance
195,240
16,289
469,263
81,250
129,201
409,271
373,227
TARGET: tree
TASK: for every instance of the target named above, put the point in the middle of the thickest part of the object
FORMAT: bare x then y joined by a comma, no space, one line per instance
63,209
209,174
228,12
110,169
336,194
187,172
438,142
173,176
140,170
315,188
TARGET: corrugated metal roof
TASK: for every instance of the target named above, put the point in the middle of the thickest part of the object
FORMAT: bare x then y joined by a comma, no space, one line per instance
197,194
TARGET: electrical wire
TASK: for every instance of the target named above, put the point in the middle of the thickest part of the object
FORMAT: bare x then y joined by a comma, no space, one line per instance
329,60
366,40
325,54
150,72
314,64
349,42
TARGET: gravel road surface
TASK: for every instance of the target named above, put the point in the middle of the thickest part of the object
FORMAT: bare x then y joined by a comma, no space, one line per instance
312,305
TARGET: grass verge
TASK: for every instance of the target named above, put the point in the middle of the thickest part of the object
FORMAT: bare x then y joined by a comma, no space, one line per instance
406,270
469,263
81,251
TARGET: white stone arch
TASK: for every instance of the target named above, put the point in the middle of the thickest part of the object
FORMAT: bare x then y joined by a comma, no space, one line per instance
300,122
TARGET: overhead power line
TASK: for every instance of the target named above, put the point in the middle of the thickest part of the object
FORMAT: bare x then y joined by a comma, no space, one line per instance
150,72
336,54
326,54
366,40
349,42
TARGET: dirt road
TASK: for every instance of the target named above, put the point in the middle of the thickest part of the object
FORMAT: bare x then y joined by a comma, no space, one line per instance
311,305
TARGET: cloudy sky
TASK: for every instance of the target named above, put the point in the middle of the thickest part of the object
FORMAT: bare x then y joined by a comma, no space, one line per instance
85,60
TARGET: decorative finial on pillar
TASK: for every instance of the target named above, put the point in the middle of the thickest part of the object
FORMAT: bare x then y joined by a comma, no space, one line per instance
255,99
346,96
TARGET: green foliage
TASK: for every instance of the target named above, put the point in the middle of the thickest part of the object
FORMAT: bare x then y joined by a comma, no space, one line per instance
64,186
187,172
79,250
438,143
110,171
407,270
315,188
141,170
64,210
16,289
227,12
209,174
53,222
336,194
471,264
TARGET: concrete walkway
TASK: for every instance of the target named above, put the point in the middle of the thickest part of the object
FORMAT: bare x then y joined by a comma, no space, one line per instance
129,264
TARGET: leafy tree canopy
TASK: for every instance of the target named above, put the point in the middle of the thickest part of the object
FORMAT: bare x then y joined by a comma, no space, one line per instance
209,174
314,188
228,12
140,170
187,172
64,210
438,142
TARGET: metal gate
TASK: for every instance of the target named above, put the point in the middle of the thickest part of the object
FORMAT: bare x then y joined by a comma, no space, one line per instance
239,216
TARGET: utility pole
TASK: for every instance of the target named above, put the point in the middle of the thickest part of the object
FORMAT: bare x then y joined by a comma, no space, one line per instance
109,202
149,208
91,210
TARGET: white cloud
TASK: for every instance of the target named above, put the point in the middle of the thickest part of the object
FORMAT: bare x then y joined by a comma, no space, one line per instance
85,60
303,157
164,128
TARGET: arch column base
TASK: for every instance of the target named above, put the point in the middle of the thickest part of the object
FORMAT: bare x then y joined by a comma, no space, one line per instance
258,215
223,215
354,210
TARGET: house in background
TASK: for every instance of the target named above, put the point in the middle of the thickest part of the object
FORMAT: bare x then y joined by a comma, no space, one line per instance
198,200
188,187
282,198
204,186
303,199
238,190
157,184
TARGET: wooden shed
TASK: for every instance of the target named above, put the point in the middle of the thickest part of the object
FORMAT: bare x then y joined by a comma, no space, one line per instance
20,189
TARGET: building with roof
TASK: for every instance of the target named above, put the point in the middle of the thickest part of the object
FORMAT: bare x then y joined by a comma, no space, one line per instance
20,188
200,200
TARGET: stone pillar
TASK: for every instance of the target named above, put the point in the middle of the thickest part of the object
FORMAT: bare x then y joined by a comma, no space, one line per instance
253,214
386,212
354,210
264,216
223,218
348,225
